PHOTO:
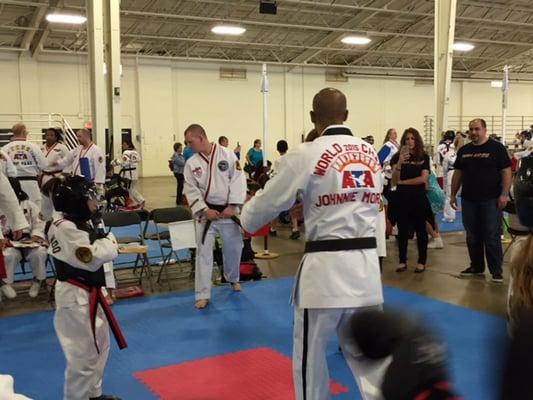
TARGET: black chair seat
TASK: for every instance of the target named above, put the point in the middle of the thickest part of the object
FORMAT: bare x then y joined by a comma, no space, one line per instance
514,232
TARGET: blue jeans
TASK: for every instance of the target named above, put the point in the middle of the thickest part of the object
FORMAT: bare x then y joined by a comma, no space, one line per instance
483,223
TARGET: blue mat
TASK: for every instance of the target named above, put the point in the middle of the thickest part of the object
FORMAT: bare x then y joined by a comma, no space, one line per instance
166,329
455,226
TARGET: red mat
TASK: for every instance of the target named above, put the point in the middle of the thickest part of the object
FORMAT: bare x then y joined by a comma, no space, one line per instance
257,374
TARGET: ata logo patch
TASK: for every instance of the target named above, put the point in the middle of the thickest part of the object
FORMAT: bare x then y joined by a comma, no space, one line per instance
357,179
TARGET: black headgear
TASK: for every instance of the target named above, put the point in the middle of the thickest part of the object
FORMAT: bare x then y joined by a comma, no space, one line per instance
70,196
523,192
449,135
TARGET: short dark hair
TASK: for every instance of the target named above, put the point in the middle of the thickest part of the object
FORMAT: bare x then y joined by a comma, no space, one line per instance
177,145
221,138
481,121
129,143
282,146
195,128
57,133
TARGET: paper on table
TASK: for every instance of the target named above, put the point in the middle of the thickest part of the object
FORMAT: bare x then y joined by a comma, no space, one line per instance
182,235
24,245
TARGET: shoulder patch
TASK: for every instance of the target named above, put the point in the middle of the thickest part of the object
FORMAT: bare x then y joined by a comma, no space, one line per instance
84,254
100,159
223,165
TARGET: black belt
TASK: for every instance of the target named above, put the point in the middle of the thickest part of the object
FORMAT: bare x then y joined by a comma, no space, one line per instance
127,169
340,244
27,178
219,208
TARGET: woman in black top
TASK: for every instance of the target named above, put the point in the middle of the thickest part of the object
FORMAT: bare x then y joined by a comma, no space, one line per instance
410,171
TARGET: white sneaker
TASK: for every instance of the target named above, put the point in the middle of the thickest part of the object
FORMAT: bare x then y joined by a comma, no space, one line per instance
34,289
436,243
8,291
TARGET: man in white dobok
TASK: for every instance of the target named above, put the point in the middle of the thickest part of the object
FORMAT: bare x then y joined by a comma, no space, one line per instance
215,187
341,181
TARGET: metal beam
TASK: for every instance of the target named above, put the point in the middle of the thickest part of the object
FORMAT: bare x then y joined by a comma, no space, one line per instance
334,37
445,11
36,19
37,40
24,3
313,27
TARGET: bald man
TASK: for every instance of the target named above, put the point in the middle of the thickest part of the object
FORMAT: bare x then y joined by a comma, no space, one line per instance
341,181
215,187
28,160
87,160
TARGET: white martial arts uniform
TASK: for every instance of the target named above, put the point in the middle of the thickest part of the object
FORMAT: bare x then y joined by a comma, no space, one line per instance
53,154
341,181
85,365
29,161
130,170
7,389
35,256
71,163
440,152
216,179
6,165
447,173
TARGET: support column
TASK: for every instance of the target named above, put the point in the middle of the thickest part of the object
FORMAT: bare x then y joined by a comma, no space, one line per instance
95,30
112,60
444,36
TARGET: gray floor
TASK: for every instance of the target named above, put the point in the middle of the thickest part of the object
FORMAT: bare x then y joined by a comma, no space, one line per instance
440,281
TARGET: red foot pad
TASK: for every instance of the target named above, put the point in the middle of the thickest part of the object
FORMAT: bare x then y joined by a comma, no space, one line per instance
261,232
127,292
251,374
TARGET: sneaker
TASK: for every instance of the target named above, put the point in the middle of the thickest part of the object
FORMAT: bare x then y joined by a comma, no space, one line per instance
471,272
8,291
295,235
35,289
497,278
436,243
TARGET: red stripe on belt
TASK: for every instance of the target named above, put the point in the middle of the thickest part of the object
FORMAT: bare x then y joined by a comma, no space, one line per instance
3,273
96,297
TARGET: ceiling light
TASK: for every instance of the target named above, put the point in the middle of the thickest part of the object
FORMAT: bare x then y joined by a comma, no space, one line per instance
496,84
356,40
66,18
462,46
228,30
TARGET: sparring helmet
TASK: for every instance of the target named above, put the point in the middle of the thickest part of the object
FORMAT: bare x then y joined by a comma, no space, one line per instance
449,136
70,196
523,192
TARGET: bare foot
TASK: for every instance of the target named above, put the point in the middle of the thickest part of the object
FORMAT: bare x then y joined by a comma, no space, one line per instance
202,303
236,287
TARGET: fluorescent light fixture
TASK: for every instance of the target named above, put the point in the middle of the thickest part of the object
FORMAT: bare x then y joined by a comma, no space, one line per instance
66,18
360,40
496,84
463,46
228,30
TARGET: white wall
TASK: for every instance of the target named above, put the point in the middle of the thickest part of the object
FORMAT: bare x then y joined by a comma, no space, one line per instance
161,98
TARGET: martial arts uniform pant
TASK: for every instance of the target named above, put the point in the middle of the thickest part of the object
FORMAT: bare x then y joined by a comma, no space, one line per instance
232,244
313,328
134,194
47,206
31,188
36,257
85,366
449,212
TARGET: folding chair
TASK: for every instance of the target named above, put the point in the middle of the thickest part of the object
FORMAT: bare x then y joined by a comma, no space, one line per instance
166,216
121,219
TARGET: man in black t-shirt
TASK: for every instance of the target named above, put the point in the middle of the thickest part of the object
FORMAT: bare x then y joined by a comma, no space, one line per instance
483,168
